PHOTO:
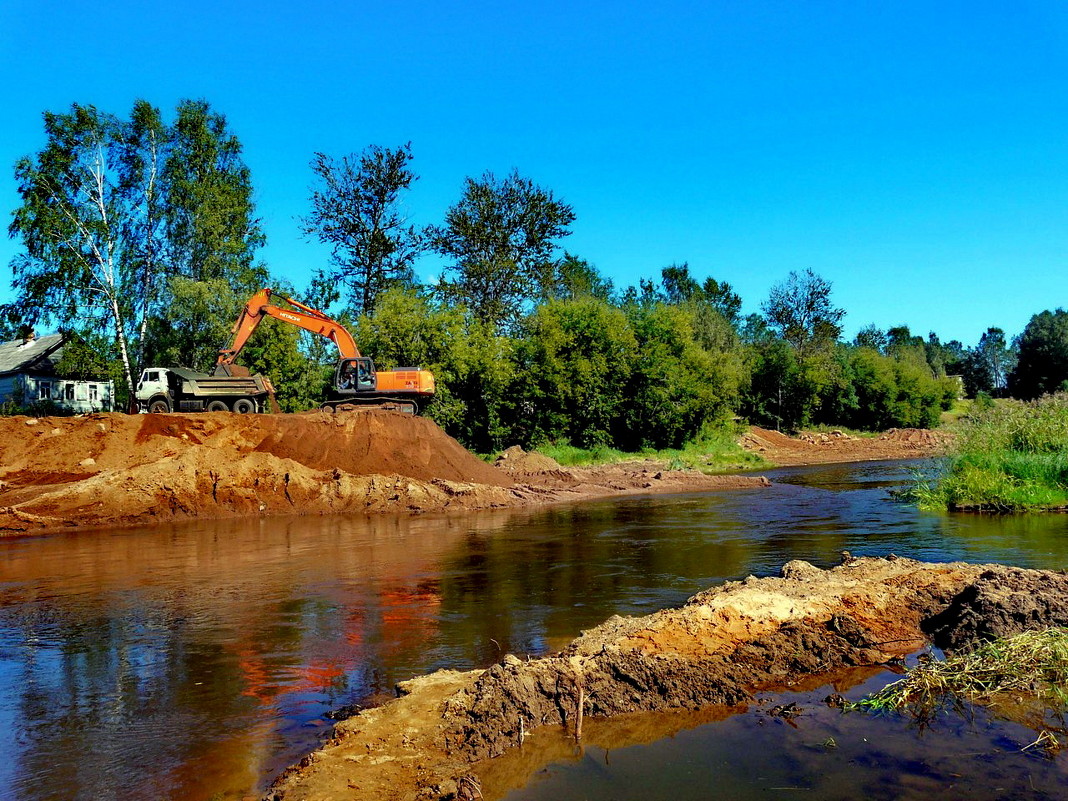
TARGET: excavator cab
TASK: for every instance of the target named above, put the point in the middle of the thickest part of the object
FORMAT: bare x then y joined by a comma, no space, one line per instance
356,375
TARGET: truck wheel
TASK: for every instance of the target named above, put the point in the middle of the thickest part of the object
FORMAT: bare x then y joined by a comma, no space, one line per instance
159,406
218,406
244,406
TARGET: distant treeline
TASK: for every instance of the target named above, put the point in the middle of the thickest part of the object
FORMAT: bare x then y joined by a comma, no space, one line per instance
139,236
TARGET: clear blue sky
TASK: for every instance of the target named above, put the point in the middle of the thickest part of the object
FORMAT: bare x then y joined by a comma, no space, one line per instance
914,154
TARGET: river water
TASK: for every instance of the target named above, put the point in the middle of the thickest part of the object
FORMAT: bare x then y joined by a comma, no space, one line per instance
196,661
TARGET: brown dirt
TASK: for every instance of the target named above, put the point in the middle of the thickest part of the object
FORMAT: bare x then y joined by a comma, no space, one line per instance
819,447
115,469
705,657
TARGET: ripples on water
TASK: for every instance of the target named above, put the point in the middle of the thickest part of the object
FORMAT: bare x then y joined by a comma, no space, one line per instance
196,661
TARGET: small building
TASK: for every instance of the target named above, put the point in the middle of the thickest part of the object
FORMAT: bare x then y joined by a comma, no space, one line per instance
28,378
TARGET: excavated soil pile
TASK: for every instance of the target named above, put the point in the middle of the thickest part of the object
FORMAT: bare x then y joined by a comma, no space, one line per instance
725,643
810,447
115,469
1002,602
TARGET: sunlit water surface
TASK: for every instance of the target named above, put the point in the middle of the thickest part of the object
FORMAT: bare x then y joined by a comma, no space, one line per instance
197,661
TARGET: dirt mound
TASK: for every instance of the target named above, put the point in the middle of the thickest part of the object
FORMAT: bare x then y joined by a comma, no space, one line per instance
720,647
916,436
517,460
816,447
1001,603
114,469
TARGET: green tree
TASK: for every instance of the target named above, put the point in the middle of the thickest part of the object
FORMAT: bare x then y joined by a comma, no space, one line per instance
1042,364
771,398
577,278
723,299
473,366
113,209
995,355
73,223
211,224
679,287
83,358
356,209
576,360
676,385
871,337
800,309
499,241
197,324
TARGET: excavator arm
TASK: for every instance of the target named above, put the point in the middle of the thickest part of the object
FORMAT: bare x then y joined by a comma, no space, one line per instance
260,306
356,382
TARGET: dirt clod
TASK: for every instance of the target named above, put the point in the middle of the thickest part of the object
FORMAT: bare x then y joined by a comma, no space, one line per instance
1001,603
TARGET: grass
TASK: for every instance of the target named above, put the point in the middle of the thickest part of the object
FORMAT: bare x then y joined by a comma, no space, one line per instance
714,450
570,456
961,408
1010,456
1003,674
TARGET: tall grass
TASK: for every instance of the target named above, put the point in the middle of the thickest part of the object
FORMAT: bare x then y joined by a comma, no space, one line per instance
1012,456
714,450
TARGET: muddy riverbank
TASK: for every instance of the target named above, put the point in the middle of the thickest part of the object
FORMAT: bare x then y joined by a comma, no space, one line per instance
446,730
114,469
119,470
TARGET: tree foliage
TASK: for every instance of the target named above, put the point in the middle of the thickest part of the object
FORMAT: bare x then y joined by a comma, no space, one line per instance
578,356
800,309
1042,364
111,210
499,240
356,209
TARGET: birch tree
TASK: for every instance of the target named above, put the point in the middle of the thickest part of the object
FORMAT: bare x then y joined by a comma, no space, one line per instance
112,210
73,222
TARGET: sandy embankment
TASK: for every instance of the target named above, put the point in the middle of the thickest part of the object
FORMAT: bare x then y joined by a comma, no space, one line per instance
501,725
115,469
822,448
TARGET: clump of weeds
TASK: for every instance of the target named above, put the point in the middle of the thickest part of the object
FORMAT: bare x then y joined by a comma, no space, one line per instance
1022,678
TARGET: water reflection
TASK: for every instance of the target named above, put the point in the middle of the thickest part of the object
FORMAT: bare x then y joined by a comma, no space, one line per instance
196,661
822,754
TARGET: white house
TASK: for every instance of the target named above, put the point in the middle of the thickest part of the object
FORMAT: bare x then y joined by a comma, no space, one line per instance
28,376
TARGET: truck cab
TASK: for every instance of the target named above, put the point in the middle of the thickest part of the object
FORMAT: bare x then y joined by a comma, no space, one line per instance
153,393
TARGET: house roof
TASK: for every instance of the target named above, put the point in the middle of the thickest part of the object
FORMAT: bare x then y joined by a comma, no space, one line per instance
17,355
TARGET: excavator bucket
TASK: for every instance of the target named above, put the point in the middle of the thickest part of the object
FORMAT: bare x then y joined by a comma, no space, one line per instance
233,370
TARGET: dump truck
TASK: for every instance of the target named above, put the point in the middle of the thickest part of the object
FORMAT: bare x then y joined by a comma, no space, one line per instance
176,389
356,381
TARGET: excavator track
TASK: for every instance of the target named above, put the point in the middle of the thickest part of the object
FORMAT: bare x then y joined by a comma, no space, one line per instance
372,404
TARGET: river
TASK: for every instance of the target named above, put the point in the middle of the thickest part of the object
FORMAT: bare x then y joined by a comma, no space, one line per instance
196,661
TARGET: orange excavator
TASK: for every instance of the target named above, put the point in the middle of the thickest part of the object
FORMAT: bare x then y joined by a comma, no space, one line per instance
356,382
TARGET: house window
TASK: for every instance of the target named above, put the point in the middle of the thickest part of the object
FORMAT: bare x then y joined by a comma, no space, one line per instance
44,390
94,393
70,391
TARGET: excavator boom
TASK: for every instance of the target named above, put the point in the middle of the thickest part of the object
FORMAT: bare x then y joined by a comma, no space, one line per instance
260,306
356,382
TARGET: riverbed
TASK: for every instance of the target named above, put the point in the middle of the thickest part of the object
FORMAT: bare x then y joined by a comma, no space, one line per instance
197,661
